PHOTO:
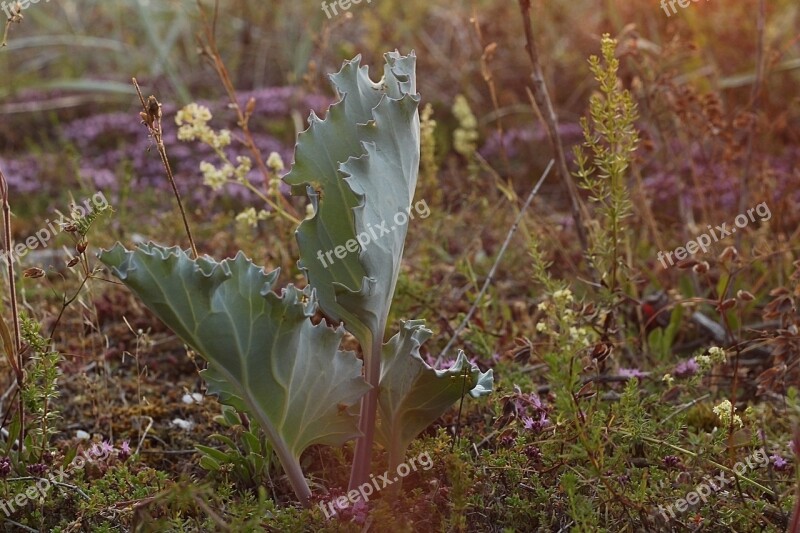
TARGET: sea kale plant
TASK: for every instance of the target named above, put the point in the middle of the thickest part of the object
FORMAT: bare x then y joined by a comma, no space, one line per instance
358,167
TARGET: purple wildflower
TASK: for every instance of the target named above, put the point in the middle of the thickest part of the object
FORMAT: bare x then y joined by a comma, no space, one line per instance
686,368
533,453
446,364
124,450
278,102
536,425
524,401
778,462
95,450
359,512
507,439
631,373
5,466
530,408
535,401
106,448
515,141
37,469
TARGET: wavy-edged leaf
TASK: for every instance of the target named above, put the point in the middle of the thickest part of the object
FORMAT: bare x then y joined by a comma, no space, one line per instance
413,394
359,166
265,356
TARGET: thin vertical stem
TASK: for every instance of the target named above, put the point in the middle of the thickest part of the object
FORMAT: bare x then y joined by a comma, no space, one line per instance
151,115
362,459
754,100
209,49
545,106
12,287
490,277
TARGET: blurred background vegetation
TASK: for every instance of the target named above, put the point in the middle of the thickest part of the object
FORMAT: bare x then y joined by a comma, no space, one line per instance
78,57
70,126
71,60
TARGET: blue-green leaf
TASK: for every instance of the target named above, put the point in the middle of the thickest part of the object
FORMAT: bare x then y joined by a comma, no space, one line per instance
265,356
413,394
359,166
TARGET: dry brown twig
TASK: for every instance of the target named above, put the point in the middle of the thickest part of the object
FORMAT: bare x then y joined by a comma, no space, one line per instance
208,48
488,77
544,107
15,16
151,117
13,348
754,107
490,277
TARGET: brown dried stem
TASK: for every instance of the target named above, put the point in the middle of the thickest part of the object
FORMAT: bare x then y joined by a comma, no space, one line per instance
16,362
545,108
754,101
151,117
208,48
